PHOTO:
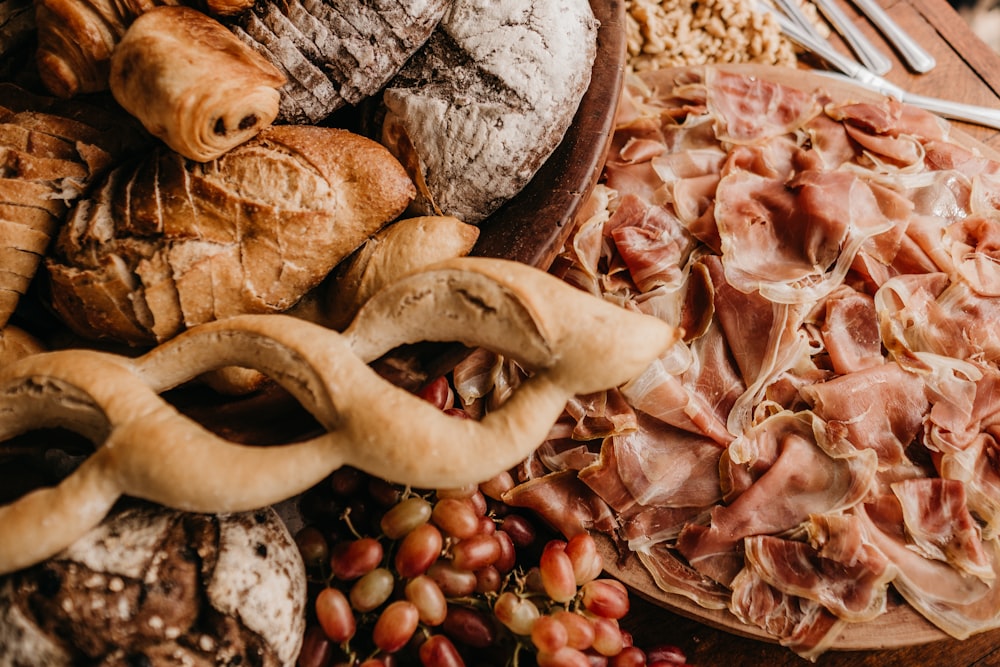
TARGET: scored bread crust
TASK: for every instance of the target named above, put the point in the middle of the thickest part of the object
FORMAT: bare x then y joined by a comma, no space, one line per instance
165,243
475,113
335,52
570,342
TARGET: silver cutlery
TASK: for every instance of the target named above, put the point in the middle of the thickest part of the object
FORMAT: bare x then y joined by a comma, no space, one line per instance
915,56
857,74
869,55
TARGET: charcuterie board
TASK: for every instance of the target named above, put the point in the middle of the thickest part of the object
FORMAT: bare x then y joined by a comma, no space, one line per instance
900,625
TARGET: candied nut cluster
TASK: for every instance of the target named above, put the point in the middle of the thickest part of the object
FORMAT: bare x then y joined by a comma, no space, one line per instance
673,33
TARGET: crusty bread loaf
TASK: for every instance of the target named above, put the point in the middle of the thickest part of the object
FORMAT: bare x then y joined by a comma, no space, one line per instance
48,156
160,587
165,243
192,83
336,52
482,105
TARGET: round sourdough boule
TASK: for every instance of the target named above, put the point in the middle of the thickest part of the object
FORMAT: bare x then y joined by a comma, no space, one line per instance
477,111
153,586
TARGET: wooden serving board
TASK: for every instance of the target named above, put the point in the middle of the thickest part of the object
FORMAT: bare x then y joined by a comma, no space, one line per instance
901,626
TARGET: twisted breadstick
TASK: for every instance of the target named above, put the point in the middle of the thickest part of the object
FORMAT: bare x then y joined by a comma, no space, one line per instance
571,342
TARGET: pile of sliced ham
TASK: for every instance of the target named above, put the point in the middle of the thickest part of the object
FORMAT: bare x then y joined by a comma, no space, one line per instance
828,430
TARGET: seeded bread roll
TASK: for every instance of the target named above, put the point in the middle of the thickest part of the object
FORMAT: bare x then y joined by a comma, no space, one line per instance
153,586
165,243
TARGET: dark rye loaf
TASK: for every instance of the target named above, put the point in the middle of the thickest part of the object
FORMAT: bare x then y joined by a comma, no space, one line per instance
336,52
479,109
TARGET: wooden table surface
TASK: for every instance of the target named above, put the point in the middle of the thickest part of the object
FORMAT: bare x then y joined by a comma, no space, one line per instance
969,71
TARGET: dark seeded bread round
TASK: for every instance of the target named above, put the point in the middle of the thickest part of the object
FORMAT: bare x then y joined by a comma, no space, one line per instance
157,586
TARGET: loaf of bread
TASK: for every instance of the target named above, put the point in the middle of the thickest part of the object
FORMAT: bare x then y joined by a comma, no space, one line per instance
482,105
49,154
192,83
165,243
336,52
153,586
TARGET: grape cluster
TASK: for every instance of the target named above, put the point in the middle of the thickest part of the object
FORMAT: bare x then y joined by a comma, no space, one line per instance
449,577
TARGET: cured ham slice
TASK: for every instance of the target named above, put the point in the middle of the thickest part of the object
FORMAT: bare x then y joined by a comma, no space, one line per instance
880,408
833,265
803,479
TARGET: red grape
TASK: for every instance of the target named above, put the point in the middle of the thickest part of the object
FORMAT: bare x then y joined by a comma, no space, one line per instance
521,530
395,626
579,629
630,656
453,581
439,651
587,561
316,651
564,657
334,613
608,638
313,547
469,626
496,486
476,552
456,517
438,392
418,550
556,569
605,597
549,635
354,558
427,597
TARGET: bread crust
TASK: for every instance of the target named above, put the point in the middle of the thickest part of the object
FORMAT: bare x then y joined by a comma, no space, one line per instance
482,105
570,342
165,243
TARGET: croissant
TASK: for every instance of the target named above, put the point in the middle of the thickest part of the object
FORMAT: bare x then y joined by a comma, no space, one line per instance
570,343
192,83
164,243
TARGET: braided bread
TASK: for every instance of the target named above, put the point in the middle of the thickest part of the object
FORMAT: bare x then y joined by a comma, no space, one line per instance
570,343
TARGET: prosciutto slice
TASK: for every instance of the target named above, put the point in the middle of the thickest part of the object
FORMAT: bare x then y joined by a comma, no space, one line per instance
826,433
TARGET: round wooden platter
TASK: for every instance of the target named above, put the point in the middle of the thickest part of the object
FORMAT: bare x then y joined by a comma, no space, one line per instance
901,626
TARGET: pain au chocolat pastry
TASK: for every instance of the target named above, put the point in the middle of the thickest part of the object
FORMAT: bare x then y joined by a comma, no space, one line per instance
164,243
569,342
192,83
77,37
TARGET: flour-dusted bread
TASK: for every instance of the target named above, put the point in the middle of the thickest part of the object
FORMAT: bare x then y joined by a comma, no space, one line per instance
154,586
165,243
336,52
477,111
